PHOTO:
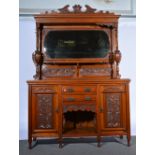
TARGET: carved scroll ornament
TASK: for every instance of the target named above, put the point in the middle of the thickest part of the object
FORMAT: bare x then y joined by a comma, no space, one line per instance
76,9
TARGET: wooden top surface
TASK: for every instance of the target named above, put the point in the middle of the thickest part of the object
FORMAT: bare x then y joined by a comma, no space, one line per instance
78,81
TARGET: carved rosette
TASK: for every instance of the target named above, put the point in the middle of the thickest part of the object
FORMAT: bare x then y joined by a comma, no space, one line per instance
37,57
44,111
113,109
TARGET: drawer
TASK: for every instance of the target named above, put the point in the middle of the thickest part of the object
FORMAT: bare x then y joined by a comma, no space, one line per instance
79,89
113,88
44,89
79,103
75,98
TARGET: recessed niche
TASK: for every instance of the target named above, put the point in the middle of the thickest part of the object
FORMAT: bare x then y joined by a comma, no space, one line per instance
79,121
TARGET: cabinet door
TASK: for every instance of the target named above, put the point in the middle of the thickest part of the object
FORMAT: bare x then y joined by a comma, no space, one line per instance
44,109
112,110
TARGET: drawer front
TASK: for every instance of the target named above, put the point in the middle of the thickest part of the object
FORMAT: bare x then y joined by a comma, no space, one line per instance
79,89
74,98
90,106
113,88
44,89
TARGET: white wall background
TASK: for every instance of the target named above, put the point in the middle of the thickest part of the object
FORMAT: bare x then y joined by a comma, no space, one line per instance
127,45
121,6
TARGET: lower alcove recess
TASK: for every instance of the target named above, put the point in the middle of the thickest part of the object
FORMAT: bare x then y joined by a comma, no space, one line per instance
79,122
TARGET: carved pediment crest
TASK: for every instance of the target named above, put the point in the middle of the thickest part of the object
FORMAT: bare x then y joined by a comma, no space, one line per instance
76,9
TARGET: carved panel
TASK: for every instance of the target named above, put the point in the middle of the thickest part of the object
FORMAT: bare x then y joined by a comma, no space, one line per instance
59,72
43,90
113,88
44,111
82,107
113,102
77,9
95,71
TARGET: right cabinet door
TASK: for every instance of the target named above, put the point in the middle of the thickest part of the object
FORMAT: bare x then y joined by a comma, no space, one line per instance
112,108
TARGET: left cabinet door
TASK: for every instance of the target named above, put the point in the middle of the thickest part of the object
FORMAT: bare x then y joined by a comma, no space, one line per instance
44,110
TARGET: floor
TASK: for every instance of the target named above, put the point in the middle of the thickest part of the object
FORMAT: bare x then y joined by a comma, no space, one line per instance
83,146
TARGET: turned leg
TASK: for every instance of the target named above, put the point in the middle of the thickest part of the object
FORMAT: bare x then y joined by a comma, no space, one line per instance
98,141
30,143
61,130
60,145
121,136
34,138
60,142
128,139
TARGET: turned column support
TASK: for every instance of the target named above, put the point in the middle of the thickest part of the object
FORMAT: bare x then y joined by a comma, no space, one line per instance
114,56
117,58
37,55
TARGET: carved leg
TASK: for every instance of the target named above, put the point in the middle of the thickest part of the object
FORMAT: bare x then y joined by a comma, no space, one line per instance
128,139
30,143
60,142
34,138
98,141
61,130
121,136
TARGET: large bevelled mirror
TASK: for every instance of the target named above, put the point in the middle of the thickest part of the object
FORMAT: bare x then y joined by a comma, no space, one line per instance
76,44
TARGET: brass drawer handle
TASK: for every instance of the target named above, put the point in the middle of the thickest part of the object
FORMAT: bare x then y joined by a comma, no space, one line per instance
101,110
87,89
87,98
70,90
57,110
70,99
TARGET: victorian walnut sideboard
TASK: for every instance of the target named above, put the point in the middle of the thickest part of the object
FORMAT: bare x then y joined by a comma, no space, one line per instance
77,90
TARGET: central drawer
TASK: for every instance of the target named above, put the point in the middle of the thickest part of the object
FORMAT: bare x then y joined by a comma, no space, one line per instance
79,89
74,98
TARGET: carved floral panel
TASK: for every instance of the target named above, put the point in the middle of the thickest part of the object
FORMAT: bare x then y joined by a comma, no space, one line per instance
113,102
59,72
95,71
43,90
44,111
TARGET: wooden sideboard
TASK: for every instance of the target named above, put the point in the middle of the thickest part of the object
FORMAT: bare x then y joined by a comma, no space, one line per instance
75,97
50,100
